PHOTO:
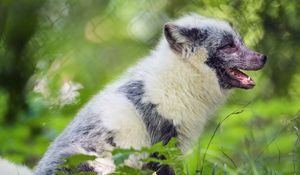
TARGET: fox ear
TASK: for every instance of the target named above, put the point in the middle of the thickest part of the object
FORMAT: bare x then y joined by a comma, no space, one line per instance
184,40
174,36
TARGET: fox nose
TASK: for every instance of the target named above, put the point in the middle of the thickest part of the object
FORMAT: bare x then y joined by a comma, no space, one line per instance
264,59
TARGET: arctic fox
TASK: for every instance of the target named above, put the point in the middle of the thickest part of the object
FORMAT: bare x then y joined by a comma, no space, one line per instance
170,93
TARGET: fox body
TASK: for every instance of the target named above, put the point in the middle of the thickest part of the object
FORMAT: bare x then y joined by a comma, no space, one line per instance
170,93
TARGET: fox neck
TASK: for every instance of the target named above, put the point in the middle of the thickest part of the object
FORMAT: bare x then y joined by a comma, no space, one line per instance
186,91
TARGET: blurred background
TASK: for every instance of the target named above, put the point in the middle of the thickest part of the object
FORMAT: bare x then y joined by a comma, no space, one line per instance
56,54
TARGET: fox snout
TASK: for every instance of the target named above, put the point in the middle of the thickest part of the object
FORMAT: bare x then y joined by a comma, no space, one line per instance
252,60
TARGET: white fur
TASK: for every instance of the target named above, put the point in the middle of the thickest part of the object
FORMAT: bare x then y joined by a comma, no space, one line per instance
9,168
121,118
186,89
194,20
187,92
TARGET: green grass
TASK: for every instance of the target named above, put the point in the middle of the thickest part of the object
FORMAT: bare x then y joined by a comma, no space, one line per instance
258,138
240,143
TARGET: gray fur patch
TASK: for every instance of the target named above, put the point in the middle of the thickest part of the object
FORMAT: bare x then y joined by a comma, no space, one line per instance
194,37
158,127
89,135
227,39
85,130
197,36
82,167
85,167
110,139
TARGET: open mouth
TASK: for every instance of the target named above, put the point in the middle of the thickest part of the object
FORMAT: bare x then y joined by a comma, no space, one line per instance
233,77
237,78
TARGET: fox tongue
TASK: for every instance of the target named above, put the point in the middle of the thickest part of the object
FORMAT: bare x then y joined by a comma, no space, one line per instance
247,80
241,77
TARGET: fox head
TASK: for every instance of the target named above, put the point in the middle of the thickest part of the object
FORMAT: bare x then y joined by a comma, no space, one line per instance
225,50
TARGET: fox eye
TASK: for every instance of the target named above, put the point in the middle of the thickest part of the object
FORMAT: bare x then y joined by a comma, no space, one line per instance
227,46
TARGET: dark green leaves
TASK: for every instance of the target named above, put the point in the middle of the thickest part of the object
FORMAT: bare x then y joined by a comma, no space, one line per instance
72,162
172,154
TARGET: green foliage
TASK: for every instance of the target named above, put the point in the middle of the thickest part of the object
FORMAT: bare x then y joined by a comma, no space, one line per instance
211,161
246,144
172,154
73,161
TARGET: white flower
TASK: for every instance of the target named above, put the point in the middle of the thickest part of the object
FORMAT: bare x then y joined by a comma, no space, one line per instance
69,92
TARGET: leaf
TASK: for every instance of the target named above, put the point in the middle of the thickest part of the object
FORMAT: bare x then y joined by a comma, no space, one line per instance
172,154
72,162
126,170
120,155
